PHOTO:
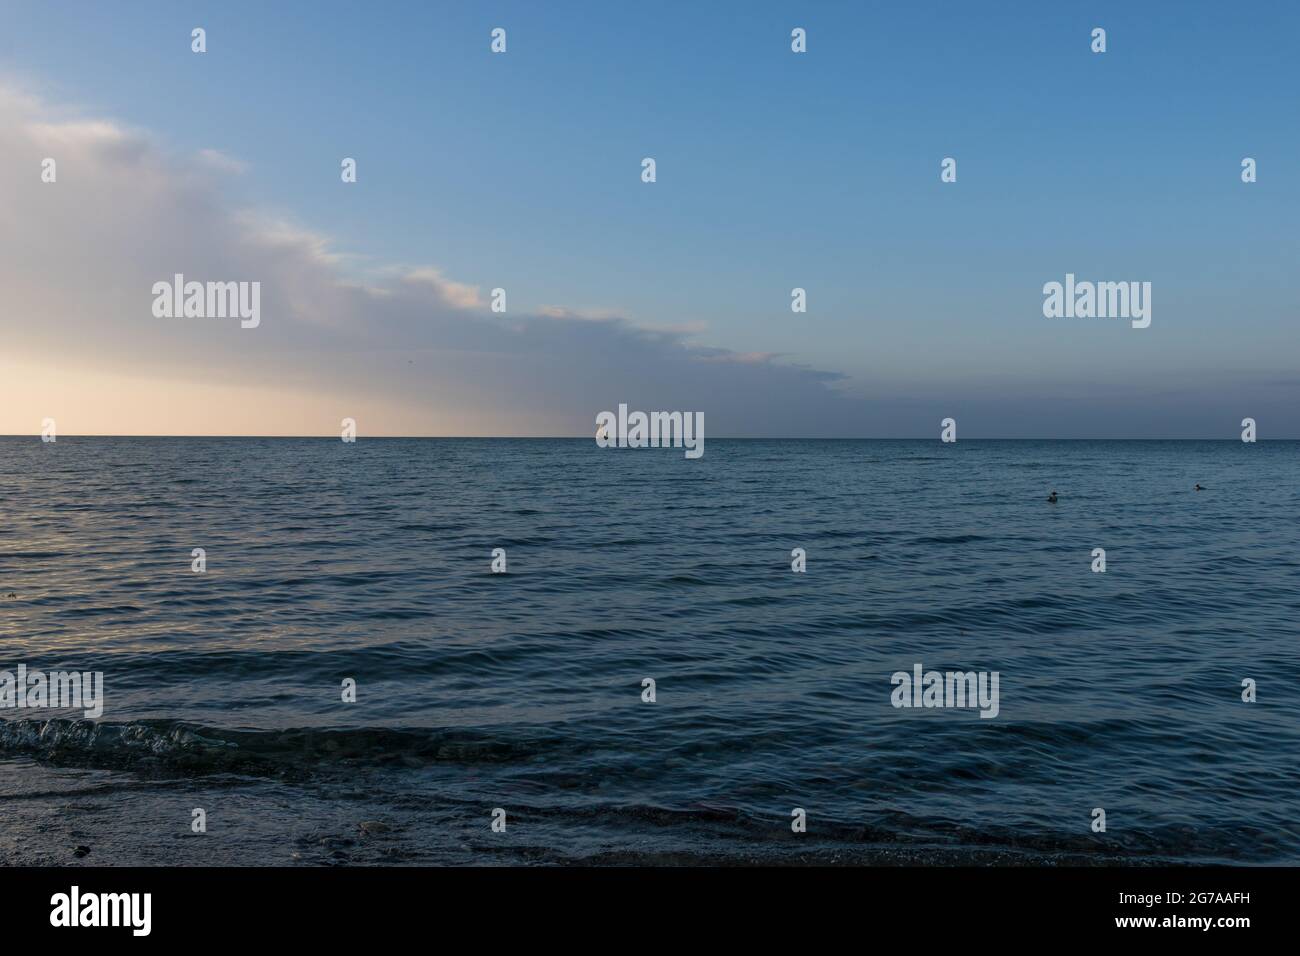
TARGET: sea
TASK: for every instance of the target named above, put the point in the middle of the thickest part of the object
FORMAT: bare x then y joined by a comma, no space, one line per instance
350,672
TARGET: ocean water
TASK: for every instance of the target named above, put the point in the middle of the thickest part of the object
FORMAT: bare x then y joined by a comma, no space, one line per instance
523,690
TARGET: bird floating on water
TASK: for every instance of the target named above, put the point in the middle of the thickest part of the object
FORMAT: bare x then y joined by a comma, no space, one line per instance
1052,498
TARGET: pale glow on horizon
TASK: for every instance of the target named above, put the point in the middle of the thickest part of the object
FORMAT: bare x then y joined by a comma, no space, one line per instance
87,401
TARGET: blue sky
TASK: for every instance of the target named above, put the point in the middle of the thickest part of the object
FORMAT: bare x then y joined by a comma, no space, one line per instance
775,170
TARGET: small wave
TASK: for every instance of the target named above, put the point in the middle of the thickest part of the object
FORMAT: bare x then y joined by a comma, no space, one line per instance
171,745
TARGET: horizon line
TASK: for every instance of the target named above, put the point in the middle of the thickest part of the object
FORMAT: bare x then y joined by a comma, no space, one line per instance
336,437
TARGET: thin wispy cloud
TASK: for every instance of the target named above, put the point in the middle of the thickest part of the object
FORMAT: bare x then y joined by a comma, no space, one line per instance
411,343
